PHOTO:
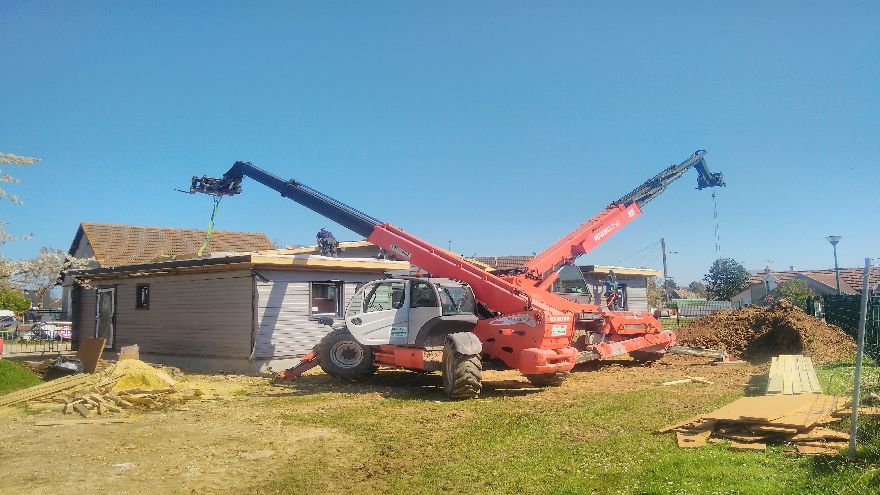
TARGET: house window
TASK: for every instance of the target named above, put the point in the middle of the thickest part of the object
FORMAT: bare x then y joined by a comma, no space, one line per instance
142,296
326,299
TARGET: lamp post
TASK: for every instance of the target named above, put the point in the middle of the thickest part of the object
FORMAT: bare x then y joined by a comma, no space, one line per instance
834,239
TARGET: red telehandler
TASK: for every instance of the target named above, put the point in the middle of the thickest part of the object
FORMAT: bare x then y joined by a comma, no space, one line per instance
429,324
452,324
602,332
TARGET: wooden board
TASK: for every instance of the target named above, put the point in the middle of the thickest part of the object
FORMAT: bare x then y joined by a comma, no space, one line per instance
792,374
748,446
761,409
43,390
90,351
690,441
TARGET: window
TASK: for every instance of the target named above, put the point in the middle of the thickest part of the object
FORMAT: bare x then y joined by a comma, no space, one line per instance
422,296
384,296
142,296
326,299
457,300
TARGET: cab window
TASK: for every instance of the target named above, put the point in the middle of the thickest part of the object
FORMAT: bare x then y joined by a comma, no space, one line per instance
384,296
422,295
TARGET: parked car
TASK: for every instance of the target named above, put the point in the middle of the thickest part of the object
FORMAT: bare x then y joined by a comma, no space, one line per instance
7,319
53,330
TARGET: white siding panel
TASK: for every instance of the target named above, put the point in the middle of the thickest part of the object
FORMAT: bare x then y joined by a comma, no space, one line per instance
285,327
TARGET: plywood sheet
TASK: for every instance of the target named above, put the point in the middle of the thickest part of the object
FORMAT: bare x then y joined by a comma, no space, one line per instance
90,351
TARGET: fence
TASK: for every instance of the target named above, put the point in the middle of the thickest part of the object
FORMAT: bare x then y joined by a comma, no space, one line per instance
26,341
844,312
688,310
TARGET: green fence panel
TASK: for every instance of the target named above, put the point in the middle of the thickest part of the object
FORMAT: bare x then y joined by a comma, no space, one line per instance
843,311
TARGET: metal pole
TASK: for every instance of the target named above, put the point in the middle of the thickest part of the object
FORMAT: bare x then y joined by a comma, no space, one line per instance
836,269
860,351
665,276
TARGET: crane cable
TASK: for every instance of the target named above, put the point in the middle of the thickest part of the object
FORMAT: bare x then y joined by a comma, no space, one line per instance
210,231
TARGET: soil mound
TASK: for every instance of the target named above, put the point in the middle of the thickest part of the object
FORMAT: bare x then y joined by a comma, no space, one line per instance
757,333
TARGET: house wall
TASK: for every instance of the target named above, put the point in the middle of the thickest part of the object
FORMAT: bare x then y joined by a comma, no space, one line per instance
285,325
636,290
83,250
197,314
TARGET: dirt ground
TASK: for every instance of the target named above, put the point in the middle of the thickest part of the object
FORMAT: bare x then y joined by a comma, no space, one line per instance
240,441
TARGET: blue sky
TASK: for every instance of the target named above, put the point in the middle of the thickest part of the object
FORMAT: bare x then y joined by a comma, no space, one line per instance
499,126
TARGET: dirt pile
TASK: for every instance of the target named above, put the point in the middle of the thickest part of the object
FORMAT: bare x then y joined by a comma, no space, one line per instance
757,333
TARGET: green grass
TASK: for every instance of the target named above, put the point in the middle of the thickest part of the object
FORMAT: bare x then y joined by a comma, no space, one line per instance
15,377
547,442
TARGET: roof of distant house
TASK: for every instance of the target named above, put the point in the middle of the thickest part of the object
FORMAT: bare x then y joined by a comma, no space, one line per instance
850,278
120,245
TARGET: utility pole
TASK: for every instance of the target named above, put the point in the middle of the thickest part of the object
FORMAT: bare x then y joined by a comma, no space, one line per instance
665,273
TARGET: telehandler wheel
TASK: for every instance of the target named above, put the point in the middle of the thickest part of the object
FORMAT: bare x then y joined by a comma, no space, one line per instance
547,379
341,356
462,374
646,356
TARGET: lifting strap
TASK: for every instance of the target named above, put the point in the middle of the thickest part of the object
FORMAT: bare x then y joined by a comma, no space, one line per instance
210,231
717,235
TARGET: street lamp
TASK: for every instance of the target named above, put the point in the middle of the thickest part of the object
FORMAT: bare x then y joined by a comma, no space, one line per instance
834,239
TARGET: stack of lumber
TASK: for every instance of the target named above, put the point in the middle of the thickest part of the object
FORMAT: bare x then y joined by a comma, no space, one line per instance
792,374
750,423
130,385
48,389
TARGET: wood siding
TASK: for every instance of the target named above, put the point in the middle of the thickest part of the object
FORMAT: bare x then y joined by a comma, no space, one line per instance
205,315
285,325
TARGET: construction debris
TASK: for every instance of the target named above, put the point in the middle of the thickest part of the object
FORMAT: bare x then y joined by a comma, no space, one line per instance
690,379
129,384
792,374
89,352
757,333
750,423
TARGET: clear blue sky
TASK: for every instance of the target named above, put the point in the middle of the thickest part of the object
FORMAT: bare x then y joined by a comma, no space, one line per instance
497,125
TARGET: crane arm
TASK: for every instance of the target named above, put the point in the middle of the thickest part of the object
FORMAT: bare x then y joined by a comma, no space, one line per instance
595,231
492,291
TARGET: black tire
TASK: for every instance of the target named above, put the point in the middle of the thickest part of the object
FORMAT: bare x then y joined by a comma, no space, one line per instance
341,356
646,356
462,374
547,379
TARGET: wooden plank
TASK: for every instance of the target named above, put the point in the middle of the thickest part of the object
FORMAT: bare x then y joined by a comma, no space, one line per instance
96,421
43,390
815,386
89,352
748,446
761,409
690,441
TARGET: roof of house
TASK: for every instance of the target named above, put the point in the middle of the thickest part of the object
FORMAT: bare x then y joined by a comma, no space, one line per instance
503,262
120,245
685,293
242,261
850,278
512,262
317,249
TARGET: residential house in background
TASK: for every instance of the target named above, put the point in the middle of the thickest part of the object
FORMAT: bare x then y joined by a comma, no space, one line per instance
633,281
819,281
114,245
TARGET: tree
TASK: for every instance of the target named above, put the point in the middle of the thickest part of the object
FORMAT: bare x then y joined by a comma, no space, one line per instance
795,291
12,300
671,284
698,288
655,293
10,159
725,279
42,273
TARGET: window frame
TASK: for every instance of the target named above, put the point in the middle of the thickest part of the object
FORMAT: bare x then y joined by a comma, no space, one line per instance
340,300
141,303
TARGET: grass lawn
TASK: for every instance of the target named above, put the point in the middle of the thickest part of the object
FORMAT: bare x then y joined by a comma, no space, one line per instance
581,438
15,377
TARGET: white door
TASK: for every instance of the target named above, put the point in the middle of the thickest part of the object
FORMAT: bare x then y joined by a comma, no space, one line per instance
104,321
382,319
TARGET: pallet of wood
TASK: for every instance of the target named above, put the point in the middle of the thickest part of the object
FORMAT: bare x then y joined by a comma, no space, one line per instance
792,374
751,423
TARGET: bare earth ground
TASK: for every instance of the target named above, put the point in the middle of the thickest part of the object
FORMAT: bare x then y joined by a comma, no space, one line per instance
243,441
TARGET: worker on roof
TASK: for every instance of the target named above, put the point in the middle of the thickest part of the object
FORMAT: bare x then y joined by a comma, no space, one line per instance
327,242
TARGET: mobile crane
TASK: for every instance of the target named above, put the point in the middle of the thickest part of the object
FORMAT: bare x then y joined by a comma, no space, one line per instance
425,323
603,333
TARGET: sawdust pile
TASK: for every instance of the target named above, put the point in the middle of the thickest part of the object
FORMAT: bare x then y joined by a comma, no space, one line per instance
135,374
757,333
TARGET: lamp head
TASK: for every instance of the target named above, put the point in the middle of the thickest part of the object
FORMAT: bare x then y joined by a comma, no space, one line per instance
833,239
